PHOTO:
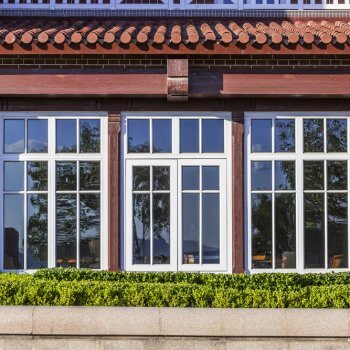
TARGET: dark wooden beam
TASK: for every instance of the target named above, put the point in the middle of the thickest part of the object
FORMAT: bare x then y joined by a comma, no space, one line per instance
114,206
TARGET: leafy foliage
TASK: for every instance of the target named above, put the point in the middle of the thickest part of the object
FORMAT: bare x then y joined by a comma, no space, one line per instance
101,288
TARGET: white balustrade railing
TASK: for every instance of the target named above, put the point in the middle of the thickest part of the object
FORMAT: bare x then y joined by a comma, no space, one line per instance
175,4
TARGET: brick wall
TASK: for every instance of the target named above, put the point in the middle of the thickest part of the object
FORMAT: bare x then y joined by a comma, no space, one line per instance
134,63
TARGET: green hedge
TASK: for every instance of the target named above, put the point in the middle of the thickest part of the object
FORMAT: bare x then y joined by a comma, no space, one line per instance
91,288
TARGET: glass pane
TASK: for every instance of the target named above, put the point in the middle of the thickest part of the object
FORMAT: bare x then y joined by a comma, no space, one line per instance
284,135
261,135
162,136
313,135
190,178
37,136
161,228
14,136
337,174
141,229
210,178
336,135
261,175
212,135
285,243
190,228
313,175
37,176
337,230
261,231
161,178
284,175
189,135
66,135
13,231
89,136
37,231
66,230
90,230
141,181
13,176
211,228
89,176
66,176
314,230
138,136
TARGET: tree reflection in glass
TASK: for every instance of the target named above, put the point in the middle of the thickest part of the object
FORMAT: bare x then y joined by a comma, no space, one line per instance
336,135
66,176
37,231
66,230
261,230
314,230
313,135
90,230
337,230
284,135
284,175
89,136
285,231
161,178
138,136
89,176
313,175
37,176
141,178
337,174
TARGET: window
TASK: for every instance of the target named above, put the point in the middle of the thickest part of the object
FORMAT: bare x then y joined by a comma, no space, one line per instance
53,191
297,192
176,208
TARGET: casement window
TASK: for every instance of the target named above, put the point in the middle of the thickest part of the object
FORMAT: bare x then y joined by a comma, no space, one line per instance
297,192
53,191
176,195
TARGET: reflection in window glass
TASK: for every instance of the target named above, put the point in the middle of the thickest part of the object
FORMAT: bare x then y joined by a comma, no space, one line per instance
336,135
37,253
337,174
261,175
284,135
210,178
37,174
284,175
14,136
313,135
66,230
337,230
141,178
313,175
161,228
190,228
285,242
66,176
141,229
161,178
89,136
13,231
89,176
261,231
261,135
66,135
212,135
13,176
37,136
314,230
189,135
210,228
90,230
138,136
190,178
161,131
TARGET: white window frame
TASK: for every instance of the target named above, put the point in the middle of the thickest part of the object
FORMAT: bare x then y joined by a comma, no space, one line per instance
223,160
51,157
299,157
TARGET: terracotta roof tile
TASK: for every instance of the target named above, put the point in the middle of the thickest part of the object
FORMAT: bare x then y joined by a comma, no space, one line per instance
186,32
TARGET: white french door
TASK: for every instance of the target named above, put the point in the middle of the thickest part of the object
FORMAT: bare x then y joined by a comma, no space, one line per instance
176,215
